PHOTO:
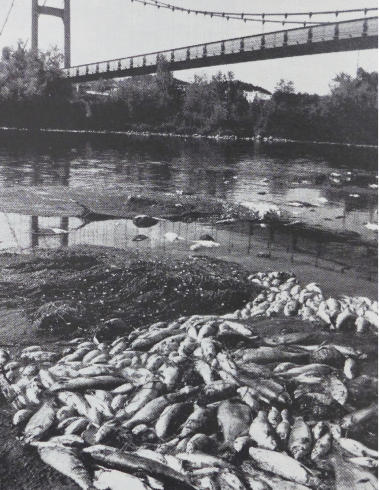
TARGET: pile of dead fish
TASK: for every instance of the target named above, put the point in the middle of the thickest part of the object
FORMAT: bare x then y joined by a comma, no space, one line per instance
202,402
283,295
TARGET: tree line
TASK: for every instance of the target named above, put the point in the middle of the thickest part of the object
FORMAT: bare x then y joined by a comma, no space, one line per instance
34,94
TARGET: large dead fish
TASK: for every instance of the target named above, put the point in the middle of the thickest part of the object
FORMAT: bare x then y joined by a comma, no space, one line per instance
106,479
124,461
234,418
86,383
41,421
284,466
65,460
288,338
267,355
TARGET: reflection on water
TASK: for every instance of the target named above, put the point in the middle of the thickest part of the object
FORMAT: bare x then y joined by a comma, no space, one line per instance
327,177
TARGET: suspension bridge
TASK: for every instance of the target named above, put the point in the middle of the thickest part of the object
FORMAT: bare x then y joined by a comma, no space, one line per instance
312,38
350,35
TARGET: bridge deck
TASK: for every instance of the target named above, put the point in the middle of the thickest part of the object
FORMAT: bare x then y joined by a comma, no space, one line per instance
325,38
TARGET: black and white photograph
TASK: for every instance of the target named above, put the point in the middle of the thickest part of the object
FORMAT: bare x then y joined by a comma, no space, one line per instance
188,245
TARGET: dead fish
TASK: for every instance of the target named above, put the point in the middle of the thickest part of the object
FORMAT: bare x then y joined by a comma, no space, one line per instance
85,383
140,399
199,442
151,411
254,370
274,417
234,419
267,355
262,433
196,422
22,416
106,479
104,430
300,439
284,427
205,370
65,460
75,401
357,448
239,328
130,461
217,390
77,426
71,440
367,462
168,345
309,370
248,396
322,446
320,429
40,422
266,389
336,389
284,366
228,480
287,338
200,460
172,418
284,466
350,368
359,416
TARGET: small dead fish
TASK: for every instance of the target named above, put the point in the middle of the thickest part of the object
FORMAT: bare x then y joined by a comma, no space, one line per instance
322,446
300,439
274,417
284,427
22,416
262,433
350,368
320,429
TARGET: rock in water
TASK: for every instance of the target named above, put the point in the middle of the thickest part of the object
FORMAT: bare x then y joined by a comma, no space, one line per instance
140,238
206,237
144,221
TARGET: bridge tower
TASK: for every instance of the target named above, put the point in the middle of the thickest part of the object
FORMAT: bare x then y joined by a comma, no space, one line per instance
64,14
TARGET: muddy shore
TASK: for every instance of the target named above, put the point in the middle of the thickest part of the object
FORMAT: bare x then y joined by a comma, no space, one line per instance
28,279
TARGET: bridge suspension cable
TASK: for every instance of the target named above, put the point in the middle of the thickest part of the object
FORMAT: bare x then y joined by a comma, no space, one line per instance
261,17
7,17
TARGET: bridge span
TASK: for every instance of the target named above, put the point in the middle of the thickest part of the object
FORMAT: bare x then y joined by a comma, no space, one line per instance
349,35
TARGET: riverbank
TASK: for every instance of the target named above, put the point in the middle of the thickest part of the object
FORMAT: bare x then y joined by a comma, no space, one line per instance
217,137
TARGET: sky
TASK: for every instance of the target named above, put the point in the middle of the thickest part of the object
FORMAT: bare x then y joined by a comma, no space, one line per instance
109,29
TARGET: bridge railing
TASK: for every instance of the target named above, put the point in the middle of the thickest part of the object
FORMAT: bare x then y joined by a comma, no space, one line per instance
290,37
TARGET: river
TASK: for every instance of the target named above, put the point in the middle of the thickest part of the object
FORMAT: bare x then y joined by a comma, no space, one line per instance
327,187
